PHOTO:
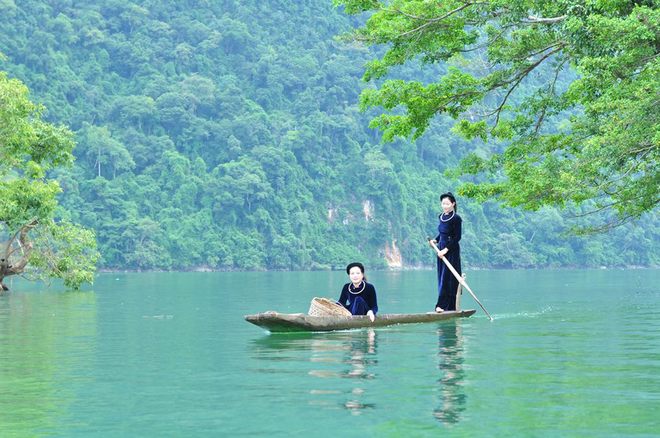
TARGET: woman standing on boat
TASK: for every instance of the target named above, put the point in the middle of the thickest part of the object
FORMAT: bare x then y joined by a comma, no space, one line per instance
449,234
358,296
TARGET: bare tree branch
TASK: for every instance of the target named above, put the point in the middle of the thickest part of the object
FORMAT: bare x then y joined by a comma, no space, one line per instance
535,19
498,110
609,206
489,41
551,90
538,52
430,21
19,242
610,182
519,77
645,148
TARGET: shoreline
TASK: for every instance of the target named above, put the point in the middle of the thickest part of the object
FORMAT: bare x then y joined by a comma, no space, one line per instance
403,269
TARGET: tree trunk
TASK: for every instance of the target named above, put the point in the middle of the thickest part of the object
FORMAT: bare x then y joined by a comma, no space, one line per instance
11,263
4,268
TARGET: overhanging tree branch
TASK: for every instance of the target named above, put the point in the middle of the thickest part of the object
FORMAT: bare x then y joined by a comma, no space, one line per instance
611,102
430,21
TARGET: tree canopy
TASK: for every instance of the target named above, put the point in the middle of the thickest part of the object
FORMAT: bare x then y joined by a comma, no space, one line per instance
36,244
595,141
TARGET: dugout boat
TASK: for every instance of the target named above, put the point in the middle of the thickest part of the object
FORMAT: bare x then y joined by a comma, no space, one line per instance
276,322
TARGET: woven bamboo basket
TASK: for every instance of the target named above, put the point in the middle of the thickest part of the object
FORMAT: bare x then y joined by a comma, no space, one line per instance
326,307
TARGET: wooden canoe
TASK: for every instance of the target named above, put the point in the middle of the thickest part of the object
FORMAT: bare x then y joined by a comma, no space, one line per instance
299,322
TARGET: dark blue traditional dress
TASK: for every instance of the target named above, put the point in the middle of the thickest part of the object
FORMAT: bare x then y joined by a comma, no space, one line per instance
359,300
449,234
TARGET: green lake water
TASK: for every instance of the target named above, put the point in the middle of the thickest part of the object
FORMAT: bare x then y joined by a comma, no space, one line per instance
570,353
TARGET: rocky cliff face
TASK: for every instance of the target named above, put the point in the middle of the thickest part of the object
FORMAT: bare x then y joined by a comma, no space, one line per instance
393,255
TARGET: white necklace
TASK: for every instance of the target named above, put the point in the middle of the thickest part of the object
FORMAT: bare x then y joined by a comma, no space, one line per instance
359,291
449,218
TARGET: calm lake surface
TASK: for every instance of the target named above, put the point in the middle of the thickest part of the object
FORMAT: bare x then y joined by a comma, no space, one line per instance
570,353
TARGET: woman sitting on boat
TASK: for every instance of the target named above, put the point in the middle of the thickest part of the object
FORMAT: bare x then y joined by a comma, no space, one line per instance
358,296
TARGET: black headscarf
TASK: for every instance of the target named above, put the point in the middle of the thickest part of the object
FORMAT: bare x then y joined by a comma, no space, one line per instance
354,264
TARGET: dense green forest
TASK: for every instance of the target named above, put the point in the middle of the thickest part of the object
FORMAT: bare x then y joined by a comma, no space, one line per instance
227,135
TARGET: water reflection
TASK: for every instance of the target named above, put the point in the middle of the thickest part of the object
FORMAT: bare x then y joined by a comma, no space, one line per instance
341,365
452,396
46,339
353,356
361,360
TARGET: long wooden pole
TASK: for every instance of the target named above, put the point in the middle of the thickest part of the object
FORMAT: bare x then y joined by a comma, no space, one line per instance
460,279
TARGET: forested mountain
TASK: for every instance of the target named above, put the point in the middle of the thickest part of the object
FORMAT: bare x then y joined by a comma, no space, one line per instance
227,135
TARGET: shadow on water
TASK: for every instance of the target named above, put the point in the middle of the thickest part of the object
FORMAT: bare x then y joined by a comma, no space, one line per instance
331,358
451,394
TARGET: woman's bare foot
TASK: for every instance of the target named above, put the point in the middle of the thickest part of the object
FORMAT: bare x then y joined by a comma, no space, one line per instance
439,310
